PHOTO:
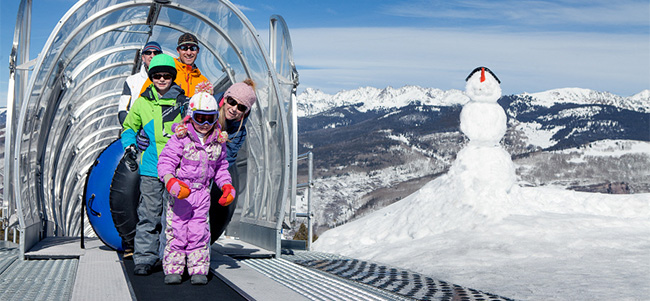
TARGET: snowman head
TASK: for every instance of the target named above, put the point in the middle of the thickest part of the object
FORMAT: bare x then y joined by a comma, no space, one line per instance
482,85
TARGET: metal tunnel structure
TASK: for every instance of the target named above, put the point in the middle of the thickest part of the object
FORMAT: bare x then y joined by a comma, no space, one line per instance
63,113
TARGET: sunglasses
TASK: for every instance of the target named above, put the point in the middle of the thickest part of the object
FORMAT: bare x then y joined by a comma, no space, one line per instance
191,48
166,76
231,101
150,52
202,119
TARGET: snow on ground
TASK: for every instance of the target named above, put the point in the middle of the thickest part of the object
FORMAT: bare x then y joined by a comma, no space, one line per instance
550,243
538,136
476,227
612,148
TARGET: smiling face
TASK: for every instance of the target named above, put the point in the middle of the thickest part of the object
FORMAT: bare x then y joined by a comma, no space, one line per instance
187,53
147,56
233,109
162,81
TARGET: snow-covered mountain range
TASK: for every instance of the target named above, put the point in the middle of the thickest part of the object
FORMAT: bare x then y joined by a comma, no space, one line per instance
374,146
311,102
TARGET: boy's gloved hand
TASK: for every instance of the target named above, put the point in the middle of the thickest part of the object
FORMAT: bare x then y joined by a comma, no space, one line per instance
228,195
131,151
178,188
142,139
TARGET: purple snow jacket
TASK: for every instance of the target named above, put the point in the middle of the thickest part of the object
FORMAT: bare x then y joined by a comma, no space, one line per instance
193,163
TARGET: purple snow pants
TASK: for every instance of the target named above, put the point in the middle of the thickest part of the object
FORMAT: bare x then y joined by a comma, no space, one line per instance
188,234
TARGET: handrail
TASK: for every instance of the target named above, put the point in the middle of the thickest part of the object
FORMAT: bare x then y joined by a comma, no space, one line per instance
307,185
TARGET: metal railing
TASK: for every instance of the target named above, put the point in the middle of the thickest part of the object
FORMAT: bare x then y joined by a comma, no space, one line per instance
306,185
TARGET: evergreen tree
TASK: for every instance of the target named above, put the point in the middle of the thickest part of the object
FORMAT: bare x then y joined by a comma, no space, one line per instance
303,233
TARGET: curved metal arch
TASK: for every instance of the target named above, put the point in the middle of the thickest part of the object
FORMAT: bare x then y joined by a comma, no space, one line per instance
88,103
276,89
72,126
211,49
88,153
178,7
95,56
275,22
82,26
93,146
63,157
60,130
214,26
100,70
96,35
72,123
23,111
96,110
101,82
64,69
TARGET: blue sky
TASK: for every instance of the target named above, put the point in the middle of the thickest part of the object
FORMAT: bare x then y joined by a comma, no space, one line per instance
339,45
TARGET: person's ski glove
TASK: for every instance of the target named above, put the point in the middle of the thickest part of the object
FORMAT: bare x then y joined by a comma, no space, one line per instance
177,188
142,139
228,195
131,151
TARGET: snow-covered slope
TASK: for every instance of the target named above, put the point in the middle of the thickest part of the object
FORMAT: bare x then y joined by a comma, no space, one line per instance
525,243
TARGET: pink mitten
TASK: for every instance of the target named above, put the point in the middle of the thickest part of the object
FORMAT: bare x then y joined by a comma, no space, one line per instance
178,188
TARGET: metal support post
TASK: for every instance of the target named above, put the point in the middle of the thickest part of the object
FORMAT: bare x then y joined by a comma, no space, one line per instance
308,185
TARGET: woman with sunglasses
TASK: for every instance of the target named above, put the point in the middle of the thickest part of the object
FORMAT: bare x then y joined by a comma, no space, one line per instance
235,106
188,164
155,111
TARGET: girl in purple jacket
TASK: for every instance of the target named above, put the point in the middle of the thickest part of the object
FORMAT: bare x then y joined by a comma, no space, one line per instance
186,166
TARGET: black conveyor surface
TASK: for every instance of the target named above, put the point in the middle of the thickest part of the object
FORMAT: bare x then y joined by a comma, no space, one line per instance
153,287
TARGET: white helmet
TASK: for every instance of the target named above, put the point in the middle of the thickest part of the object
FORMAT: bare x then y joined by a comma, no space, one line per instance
203,102
203,108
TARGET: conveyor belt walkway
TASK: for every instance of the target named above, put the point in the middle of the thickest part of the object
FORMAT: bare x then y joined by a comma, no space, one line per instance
58,269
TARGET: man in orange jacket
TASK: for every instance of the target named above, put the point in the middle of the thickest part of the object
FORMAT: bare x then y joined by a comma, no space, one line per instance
188,74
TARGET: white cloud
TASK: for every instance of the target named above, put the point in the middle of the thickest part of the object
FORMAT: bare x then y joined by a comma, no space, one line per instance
243,8
332,59
513,12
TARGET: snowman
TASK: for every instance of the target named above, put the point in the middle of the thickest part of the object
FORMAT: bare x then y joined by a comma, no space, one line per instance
482,120
483,169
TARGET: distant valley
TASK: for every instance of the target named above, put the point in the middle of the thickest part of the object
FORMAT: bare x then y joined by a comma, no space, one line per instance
373,147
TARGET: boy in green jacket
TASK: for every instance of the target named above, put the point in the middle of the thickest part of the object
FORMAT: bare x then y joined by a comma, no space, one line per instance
158,107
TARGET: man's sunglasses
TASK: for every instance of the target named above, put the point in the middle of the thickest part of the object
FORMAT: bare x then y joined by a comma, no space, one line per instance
163,75
231,101
150,52
186,47
202,119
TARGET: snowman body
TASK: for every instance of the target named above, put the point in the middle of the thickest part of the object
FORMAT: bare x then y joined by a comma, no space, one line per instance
483,168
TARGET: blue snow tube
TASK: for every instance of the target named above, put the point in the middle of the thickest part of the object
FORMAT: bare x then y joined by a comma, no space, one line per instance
97,192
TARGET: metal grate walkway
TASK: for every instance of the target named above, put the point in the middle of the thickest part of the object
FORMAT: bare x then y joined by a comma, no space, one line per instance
400,282
35,279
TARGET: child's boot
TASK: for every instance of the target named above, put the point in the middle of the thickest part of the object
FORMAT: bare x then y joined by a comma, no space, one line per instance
173,279
199,279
